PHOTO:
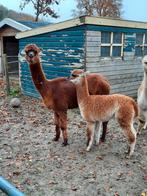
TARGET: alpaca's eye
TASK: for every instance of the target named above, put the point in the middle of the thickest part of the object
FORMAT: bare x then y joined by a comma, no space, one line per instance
74,75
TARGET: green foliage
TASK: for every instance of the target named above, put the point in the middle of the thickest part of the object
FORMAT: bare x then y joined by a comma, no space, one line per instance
15,92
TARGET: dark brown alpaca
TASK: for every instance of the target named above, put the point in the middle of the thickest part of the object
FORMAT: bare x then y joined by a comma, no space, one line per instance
60,94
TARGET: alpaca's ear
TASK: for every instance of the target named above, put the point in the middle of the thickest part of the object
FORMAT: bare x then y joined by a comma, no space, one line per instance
22,52
87,72
82,74
39,50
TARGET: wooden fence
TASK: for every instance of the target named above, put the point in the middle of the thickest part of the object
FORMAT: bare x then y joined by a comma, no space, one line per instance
10,71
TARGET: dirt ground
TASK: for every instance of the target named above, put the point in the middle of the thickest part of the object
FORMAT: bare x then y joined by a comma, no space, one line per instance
36,165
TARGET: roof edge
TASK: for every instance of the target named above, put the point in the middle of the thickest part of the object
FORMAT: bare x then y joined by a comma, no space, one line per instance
80,21
14,24
115,22
50,28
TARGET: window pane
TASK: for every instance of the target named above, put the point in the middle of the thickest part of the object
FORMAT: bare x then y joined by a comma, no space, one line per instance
145,38
139,38
138,51
105,51
117,38
116,51
105,37
145,50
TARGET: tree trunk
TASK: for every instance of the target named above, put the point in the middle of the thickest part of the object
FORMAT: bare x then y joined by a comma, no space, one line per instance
37,17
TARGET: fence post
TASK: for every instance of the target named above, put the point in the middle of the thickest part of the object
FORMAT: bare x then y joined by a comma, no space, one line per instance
5,66
8,188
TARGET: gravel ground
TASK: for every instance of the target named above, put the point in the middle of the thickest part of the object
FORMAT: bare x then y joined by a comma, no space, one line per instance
40,167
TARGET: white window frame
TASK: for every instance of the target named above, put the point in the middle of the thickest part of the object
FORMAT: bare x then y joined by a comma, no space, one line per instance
143,44
111,45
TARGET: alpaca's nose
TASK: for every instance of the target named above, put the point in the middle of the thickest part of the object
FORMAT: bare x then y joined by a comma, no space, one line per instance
31,54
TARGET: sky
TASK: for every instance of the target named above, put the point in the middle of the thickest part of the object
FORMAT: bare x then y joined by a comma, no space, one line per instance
132,9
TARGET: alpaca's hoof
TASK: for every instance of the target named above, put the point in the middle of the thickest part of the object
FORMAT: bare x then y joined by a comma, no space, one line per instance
96,142
138,133
128,153
55,139
65,143
102,140
99,143
127,156
88,149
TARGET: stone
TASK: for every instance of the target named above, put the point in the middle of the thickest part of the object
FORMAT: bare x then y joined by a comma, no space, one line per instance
15,102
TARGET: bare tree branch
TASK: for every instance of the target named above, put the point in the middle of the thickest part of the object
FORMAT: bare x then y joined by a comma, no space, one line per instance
41,7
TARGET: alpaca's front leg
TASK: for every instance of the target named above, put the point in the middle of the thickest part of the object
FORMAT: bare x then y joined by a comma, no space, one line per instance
145,116
104,131
141,125
57,126
142,121
98,126
145,126
90,134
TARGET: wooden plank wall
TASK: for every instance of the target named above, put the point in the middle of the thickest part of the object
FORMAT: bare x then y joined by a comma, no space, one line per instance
124,75
62,51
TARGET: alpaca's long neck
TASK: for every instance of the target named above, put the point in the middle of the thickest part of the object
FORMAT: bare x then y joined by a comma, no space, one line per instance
82,90
145,79
38,77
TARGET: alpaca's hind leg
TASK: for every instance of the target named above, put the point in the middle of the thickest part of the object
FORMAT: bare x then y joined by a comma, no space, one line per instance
104,131
90,134
130,133
63,125
97,132
125,119
57,127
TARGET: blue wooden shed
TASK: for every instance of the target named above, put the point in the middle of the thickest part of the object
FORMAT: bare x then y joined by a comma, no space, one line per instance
111,47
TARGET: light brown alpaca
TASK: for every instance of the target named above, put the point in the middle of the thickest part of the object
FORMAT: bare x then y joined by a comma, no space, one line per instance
100,108
60,94
97,85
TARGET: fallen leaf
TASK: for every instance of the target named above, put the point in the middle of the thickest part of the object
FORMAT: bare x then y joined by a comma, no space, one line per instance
145,177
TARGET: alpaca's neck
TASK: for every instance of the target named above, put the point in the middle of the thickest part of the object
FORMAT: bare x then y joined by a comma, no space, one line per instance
145,79
82,90
38,77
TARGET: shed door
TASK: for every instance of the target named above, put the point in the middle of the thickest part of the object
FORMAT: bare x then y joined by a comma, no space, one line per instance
11,48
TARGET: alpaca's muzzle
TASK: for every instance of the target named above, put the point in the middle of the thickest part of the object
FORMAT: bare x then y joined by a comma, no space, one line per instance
31,53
